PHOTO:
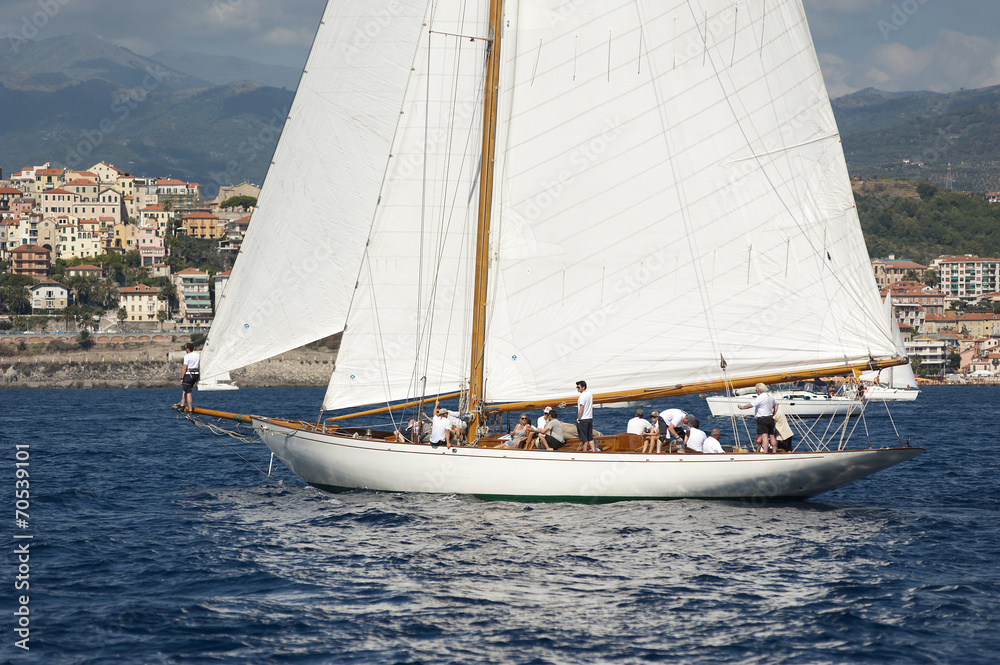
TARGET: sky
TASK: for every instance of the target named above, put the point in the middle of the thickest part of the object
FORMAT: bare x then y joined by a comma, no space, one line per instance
894,45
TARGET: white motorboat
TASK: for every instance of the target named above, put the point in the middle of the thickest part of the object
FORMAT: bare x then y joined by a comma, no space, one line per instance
804,399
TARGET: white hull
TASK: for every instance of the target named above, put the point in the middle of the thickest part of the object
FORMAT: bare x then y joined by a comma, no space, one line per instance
809,406
337,462
886,394
216,386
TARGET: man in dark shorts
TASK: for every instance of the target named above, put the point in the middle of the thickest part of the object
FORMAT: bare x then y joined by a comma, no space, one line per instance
551,436
764,408
189,376
585,418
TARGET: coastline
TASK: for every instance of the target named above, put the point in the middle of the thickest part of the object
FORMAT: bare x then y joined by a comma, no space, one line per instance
154,365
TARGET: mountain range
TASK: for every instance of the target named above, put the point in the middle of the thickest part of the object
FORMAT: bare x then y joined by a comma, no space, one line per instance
75,100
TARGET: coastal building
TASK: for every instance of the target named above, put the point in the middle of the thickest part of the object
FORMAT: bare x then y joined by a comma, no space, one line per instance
193,296
243,189
932,352
221,280
30,260
158,216
48,296
85,270
202,225
967,277
9,196
890,270
122,237
47,178
141,302
151,246
913,302
177,194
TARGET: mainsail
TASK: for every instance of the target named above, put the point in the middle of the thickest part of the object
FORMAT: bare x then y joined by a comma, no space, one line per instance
670,191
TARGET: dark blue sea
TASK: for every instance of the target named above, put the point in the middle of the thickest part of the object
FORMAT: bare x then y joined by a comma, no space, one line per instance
153,541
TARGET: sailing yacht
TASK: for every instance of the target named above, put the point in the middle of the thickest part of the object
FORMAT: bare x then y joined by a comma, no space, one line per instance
494,200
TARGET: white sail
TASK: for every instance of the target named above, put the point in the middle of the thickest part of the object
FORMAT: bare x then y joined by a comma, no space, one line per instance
671,189
410,316
293,280
899,376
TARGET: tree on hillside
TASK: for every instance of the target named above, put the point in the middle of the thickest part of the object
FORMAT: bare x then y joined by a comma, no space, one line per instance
15,300
161,316
242,202
931,278
926,191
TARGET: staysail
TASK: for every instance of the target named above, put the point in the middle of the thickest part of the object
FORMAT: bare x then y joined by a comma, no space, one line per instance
670,191
293,281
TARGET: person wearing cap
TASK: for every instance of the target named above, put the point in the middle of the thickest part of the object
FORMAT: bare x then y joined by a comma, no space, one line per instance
541,419
440,426
638,425
765,407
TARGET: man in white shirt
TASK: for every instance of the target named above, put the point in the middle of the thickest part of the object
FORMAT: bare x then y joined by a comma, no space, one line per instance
674,419
696,437
585,418
638,425
190,374
764,408
712,444
541,419
440,426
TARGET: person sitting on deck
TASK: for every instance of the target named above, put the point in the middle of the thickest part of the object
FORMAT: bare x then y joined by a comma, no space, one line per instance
518,434
696,437
712,444
551,436
655,434
541,419
638,425
412,433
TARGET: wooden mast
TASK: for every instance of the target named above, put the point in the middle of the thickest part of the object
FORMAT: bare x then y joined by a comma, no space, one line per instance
481,265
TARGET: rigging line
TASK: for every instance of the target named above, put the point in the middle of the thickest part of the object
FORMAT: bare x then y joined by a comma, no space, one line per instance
794,218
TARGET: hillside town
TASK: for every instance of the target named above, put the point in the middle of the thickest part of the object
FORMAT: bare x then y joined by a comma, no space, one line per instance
89,250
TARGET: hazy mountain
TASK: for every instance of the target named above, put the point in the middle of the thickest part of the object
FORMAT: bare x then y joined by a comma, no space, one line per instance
222,69
57,62
956,136
214,136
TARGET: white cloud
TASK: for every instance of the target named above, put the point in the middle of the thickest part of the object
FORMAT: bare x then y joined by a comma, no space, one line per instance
953,60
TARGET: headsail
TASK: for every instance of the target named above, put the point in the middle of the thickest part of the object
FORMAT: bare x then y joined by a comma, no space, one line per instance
293,280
